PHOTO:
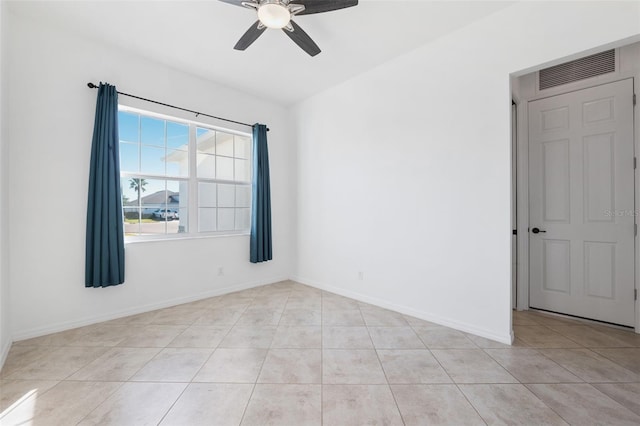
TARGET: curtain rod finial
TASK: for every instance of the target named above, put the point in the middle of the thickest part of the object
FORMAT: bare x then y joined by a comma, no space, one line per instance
91,85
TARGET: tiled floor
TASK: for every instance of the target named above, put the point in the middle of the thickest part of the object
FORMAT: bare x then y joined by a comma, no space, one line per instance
287,354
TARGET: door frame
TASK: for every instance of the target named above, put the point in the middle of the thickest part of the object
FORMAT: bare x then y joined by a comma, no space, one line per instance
522,172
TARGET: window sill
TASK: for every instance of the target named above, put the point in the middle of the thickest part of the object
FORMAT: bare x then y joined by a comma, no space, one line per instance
164,238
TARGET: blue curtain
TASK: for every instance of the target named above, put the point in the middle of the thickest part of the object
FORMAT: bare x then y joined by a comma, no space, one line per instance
261,250
105,236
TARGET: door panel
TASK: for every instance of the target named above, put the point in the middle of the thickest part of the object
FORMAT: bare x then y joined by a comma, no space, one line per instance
581,192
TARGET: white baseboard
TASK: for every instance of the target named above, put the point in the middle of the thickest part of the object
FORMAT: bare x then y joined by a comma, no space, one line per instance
5,352
68,325
447,322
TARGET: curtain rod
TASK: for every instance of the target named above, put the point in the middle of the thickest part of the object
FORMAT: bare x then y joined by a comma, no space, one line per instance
93,86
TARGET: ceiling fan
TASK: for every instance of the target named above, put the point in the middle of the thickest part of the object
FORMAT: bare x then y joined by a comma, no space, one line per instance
277,14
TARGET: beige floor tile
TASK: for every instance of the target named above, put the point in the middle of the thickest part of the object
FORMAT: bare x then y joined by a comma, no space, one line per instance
629,358
530,366
195,407
513,404
136,404
629,337
63,338
590,337
240,365
434,405
590,366
356,405
444,338
138,319
412,367
484,343
292,366
117,364
539,336
301,317
417,322
153,336
69,402
378,317
582,404
220,317
472,366
627,394
173,365
346,338
248,337
395,338
177,316
59,364
12,391
304,302
280,405
200,336
342,317
104,335
260,317
308,337
351,366
334,302
21,356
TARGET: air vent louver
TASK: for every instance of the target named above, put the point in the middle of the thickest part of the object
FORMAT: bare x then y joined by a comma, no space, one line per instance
580,69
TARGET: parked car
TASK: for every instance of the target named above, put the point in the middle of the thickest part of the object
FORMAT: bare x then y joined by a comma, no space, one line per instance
167,214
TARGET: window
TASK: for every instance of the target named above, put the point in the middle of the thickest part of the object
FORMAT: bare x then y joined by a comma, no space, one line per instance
182,178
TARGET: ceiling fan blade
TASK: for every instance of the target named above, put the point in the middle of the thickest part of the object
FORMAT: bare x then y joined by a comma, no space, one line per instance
250,36
302,39
319,6
233,2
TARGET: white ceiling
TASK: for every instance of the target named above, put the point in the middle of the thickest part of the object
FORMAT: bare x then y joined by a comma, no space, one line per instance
198,37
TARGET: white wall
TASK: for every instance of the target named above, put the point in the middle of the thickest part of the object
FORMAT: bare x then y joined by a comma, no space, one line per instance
51,115
404,171
5,329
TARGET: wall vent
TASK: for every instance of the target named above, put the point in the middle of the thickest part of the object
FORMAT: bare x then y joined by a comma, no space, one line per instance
580,69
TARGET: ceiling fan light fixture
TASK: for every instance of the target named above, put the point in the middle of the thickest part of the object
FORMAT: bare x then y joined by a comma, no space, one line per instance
274,15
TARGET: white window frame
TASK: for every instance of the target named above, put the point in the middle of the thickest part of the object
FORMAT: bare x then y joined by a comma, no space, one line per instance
192,179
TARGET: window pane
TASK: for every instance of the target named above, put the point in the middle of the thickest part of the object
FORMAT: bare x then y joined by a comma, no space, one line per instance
224,168
206,194
128,128
129,157
243,219
242,172
177,163
177,135
206,220
243,147
152,160
206,141
170,211
224,144
131,221
243,196
152,131
226,219
183,206
206,166
226,195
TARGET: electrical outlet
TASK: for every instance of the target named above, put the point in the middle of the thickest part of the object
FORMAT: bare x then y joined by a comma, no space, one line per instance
220,271
360,275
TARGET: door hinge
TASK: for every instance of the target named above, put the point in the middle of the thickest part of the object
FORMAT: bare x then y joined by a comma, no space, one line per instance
635,229
635,162
634,99
635,294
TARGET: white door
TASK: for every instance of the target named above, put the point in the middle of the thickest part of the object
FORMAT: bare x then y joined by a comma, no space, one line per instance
581,199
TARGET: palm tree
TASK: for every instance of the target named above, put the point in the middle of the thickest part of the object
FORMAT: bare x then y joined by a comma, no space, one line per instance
138,185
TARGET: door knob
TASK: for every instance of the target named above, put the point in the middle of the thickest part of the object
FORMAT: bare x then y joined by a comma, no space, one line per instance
537,230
